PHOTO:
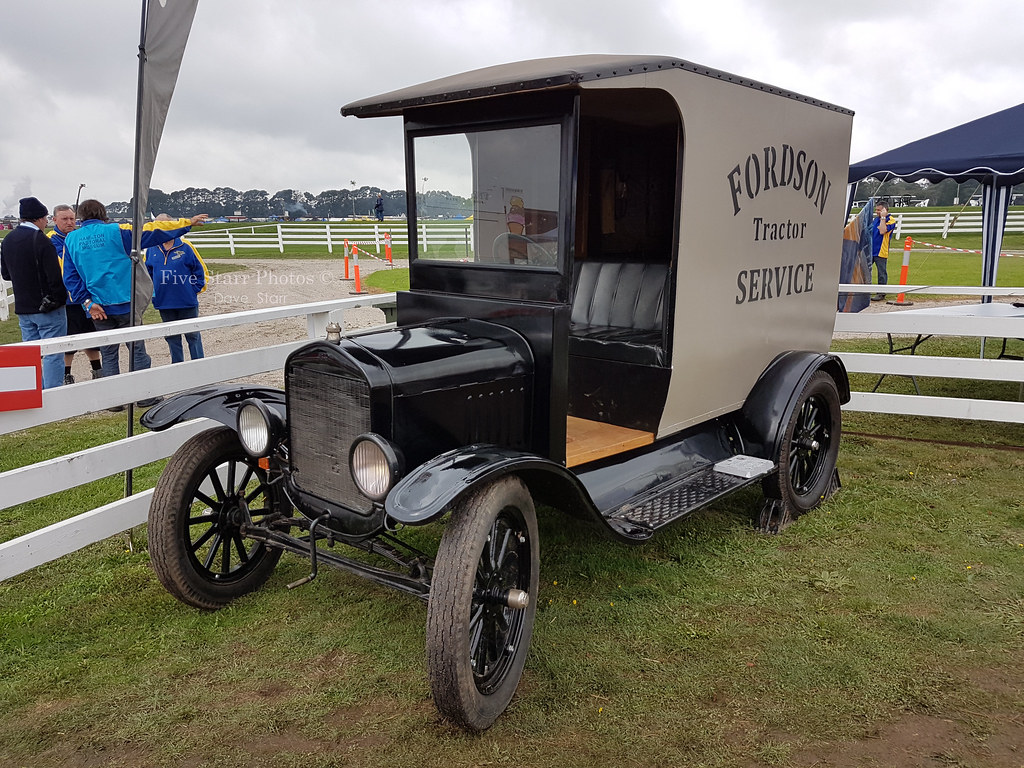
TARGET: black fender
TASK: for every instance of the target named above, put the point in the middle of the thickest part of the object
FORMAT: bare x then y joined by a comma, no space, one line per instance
219,402
771,401
427,492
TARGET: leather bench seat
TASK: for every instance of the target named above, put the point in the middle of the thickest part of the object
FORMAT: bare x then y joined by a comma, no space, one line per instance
618,311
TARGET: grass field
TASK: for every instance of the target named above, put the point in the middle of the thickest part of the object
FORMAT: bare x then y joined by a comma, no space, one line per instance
892,617
884,629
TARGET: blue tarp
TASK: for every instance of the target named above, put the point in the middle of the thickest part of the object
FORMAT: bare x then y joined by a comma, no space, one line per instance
983,149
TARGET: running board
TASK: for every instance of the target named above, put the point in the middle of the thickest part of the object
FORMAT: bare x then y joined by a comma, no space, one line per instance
640,517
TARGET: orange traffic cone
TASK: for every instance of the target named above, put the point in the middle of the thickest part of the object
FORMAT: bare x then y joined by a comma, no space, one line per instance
901,299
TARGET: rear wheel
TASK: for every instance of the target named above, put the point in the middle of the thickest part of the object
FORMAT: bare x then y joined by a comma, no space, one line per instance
483,599
208,489
807,455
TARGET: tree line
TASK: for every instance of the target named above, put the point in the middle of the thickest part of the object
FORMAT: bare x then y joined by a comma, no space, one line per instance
294,204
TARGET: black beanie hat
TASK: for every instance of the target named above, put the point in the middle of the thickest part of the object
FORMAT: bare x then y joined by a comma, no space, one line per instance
31,209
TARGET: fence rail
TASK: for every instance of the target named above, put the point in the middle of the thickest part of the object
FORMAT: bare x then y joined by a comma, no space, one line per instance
36,481
433,234
922,325
944,222
39,480
334,234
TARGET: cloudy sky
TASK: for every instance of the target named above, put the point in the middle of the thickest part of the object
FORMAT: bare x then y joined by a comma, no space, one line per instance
258,97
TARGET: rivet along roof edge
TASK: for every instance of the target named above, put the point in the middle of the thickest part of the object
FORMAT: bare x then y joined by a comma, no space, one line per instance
545,74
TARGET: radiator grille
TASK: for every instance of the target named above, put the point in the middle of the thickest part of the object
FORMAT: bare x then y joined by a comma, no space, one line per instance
325,414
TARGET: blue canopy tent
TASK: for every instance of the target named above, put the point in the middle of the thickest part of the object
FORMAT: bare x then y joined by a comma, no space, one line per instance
989,150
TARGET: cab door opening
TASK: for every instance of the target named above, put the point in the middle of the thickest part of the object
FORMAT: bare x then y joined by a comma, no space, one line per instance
624,260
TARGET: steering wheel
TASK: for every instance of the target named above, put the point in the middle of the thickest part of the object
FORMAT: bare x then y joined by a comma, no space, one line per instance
507,243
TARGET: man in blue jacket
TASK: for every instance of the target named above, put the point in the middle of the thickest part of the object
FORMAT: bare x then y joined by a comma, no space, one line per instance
29,261
98,275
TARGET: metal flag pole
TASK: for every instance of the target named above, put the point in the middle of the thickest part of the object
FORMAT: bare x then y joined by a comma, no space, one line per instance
137,214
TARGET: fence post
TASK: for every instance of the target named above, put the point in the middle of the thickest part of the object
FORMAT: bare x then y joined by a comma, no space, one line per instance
423,237
4,312
899,226
376,237
330,243
945,226
280,238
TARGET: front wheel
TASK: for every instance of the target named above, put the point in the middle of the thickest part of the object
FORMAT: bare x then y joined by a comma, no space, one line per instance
483,598
807,454
209,488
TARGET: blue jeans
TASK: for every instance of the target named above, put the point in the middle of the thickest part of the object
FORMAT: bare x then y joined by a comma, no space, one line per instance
883,270
109,352
195,341
47,325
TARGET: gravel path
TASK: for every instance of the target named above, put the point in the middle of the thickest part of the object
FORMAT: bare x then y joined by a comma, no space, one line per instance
265,283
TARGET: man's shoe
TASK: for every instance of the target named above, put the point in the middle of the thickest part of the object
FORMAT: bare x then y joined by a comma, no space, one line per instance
878,297
68,379
116,408
97,373
149,401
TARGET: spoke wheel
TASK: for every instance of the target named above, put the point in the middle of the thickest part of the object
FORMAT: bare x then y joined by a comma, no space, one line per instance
208,489
810,447
476,641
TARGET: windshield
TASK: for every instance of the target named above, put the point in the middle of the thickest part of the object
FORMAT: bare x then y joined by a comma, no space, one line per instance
489,197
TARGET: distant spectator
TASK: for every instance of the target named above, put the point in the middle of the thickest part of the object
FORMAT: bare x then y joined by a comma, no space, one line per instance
29,261
881,231
78,321
98,272
179,276
378,207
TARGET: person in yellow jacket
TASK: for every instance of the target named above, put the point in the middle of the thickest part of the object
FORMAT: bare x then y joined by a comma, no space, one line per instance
881,231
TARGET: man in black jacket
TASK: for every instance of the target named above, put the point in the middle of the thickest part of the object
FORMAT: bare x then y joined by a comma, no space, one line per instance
29,260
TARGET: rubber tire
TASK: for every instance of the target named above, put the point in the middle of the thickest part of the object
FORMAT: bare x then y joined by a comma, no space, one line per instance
457,694
805,474
169,534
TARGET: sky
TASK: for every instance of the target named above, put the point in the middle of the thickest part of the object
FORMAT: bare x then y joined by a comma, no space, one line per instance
258,98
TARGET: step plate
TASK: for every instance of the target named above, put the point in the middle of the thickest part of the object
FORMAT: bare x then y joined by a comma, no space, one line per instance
678,499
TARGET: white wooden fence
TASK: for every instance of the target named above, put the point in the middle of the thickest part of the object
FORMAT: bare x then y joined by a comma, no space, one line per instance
6,299
944,222
39,480
457,233
36,481
912,325
334,234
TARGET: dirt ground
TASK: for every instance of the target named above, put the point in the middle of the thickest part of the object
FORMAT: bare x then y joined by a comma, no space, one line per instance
263,283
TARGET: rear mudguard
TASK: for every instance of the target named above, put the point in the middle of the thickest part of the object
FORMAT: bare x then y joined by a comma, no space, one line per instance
427,492
219,402
770,404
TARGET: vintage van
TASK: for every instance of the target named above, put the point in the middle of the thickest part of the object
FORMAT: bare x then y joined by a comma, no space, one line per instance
636,324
